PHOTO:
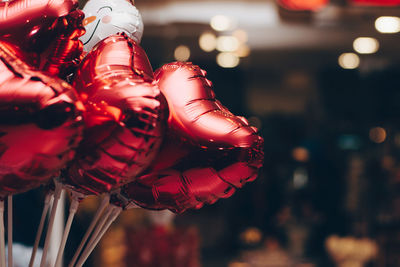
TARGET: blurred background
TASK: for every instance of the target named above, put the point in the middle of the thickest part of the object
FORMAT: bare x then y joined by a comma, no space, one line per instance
321,81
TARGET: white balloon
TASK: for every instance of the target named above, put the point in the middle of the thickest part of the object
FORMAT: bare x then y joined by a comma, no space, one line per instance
107,17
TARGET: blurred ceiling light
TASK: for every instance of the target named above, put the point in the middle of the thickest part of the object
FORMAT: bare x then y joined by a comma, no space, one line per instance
227,43
387,24
366,45
208,41
221,23
227,60
349,61
263,13
303,4
243,51
377,135
182,53
241,35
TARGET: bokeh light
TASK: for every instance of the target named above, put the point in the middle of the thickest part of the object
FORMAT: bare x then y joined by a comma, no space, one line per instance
387,24
208,41
366,45
349,61
182,53
251,235
300,154
377,135
221,23
227,60
243,51
241,35
227,43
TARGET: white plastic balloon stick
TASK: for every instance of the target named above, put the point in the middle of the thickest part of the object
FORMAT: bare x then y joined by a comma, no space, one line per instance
89,248
73,208
104,203
99,226
10,230
41,226
2,238
57,194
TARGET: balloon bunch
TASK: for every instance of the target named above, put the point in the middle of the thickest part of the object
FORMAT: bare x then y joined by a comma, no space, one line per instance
85,108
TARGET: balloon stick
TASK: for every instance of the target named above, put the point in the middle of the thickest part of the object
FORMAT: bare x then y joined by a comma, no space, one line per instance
104,203
2,238
39,232
73,208
57,194
89,248
10,230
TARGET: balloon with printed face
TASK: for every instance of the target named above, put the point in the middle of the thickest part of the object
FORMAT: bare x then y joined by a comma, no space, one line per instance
124,117
107,17
40,123
207,152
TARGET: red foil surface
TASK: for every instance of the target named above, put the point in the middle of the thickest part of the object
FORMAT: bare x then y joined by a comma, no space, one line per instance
376,2
40,123
207,153
47,27
66,51
33,24
124,116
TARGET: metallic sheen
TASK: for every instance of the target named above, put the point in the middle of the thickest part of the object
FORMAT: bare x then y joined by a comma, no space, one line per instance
124,116
207,153
32,24
48,27
40,123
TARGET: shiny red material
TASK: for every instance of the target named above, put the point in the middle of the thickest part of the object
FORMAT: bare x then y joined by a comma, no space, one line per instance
33,24
66,52
208,152
303,5
123,117
51,27
40,123
376,2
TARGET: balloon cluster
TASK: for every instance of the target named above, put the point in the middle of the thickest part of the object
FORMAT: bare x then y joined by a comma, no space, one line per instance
86,106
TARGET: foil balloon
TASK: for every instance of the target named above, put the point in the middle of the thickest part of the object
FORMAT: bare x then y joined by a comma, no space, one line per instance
66,51
33,24
108,17
123,117
40,123
207,153
47,27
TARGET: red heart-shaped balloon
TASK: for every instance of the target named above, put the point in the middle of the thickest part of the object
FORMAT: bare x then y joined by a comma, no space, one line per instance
47,27
124,115
33,24
40,123
207,152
